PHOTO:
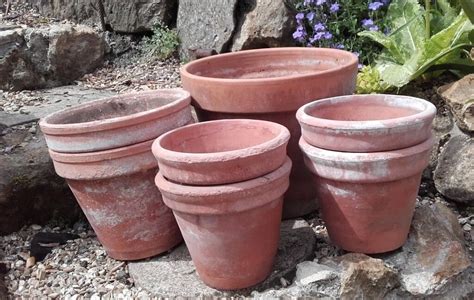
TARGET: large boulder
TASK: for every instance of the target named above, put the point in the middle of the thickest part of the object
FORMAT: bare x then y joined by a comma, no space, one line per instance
459,96
207,24
268,23
30,190
120,15
454,173
49,56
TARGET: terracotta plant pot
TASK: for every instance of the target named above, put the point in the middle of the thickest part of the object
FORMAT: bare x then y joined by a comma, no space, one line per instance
220,152
116,121
367,198
115,189
366,123
271,84
232,230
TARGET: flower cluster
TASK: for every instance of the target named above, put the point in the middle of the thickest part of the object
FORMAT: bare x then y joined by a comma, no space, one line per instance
335,23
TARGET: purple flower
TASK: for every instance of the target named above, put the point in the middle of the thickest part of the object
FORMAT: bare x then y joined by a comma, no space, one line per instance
385,2
320,2
317,36
327,35
356,53
319,27
339,46
367,22
299,34
334,7
360,66
375,5
374,28
310,16
308,2
299,16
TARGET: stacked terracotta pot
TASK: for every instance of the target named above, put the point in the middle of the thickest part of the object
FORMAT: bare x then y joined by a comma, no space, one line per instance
271,84
103,149
225,181
367,154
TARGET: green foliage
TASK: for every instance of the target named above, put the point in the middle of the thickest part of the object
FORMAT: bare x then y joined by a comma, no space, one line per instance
163,43
413,48
368,81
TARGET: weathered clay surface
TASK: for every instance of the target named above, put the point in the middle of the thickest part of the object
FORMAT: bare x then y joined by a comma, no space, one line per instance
49,56
174,275
457,96
207,24
117,121
121,16
434,261
234,151
30,191
384,122
454,174
264,24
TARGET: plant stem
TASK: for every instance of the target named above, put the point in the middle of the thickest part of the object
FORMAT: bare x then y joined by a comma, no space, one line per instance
427,19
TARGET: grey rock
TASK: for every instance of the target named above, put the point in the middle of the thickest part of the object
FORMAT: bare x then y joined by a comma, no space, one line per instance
364,277
433,261
264,24
48,56
310,271
30,190
120,15
167,275
207,24
454,174
456,96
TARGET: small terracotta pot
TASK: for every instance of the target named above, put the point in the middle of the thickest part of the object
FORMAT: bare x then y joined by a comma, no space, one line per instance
366,123
367,199
116,121
115,189
220,152
271,84
232,230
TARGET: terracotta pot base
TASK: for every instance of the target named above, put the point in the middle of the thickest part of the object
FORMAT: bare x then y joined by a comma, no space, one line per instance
128,215
300,199
390,206
234,253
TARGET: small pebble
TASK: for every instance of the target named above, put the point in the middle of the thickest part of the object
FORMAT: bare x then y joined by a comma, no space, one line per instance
467,227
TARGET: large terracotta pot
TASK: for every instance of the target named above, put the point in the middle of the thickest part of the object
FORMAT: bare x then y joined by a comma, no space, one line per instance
116,121
231,230
223,151
367,198
115,189
366,123
271,84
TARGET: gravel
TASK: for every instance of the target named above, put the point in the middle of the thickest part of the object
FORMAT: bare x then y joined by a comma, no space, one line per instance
79,268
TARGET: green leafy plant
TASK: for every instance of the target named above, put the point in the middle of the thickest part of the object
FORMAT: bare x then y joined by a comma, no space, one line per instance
423,40
368,81
163,43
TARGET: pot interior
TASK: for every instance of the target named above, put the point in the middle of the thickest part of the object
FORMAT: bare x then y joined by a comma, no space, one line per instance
213,137
365,108
114,107
274,64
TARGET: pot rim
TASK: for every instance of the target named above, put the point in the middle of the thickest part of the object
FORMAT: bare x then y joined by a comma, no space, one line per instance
103,155
352,59
182,99
228,190
364,157
429,111
162,153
